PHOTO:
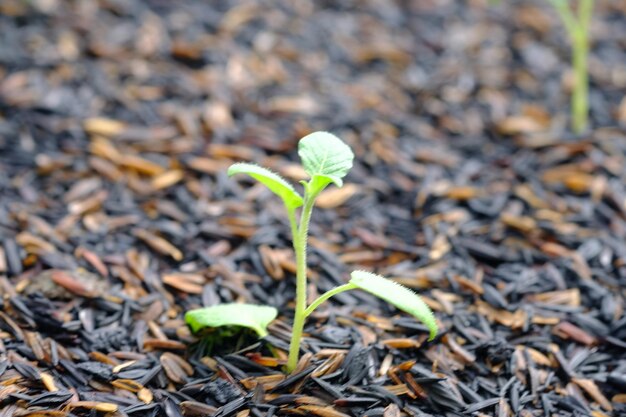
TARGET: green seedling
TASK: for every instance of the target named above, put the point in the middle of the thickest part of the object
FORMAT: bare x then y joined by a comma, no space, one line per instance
577,25
327,160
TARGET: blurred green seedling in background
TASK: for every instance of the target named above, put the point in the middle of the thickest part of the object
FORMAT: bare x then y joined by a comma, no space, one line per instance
327,160
577,24
576,20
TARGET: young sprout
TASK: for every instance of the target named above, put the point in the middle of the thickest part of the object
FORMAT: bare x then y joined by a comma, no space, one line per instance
326,159
577,26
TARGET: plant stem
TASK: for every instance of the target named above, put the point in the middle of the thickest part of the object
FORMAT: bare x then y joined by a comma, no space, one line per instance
585,11
291,213
578,29
299,245
566,15
581,109
580,94
326,296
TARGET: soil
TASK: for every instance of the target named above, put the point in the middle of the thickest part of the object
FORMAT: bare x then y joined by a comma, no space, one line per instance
118,120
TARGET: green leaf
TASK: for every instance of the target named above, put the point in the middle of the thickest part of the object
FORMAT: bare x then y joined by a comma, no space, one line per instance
401,297
252,316
271,180
325,158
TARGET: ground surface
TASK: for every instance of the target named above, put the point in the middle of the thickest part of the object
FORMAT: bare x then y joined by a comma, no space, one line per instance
118,119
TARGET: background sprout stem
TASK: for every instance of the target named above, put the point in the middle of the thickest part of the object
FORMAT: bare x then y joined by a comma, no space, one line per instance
577,26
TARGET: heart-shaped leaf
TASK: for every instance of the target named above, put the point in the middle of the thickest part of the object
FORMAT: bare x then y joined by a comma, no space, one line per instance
326,158
271,180
251,316
401,297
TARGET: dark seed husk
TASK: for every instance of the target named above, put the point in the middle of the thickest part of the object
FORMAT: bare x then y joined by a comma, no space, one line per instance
118,120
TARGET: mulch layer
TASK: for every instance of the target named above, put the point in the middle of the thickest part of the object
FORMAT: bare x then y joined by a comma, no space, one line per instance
119,118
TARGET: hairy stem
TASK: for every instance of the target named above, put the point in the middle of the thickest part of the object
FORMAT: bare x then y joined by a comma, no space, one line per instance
326,296
299,246
291,214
